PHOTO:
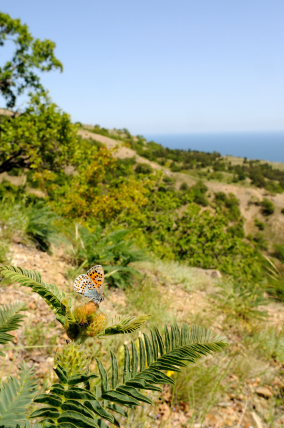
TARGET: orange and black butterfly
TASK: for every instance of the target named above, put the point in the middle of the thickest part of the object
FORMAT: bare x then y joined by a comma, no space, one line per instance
91,284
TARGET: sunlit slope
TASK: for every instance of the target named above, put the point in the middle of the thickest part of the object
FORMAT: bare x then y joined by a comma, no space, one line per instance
248,196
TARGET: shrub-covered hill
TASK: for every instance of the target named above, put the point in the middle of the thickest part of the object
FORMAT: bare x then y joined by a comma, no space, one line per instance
96,200
107,182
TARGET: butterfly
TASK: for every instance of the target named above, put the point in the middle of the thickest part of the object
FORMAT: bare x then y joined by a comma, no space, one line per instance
91,284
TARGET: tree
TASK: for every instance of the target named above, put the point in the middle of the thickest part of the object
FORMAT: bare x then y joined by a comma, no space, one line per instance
29,57
41,137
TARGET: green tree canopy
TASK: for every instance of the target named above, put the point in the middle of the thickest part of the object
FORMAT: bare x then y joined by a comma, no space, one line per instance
42,137
30,56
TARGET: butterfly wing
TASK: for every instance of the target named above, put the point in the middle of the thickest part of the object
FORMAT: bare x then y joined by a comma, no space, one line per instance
96,273
95,295
82,283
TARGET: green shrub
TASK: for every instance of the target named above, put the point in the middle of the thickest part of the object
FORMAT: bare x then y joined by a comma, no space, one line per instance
260,240
114,250
41,225
184,187
267,207
4,250
143,168
279,252
259,224
241,301
230,203
198,192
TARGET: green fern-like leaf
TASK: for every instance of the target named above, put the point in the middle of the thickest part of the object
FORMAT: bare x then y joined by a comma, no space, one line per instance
29,278
15,396
144,365
10,320
128,325
72,403
69,404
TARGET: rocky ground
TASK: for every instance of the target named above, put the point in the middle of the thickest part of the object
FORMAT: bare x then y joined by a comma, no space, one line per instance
242,403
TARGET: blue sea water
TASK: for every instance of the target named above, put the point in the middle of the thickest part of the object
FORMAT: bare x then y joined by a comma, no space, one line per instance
267,146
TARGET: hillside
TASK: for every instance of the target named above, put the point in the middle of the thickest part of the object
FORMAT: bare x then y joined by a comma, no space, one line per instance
247,195
176,244
140,286
242,386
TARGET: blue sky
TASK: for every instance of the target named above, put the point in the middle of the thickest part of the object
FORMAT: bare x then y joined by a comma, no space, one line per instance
164,66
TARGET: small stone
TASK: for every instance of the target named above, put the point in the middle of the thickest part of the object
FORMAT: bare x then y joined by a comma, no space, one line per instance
264,392
32,305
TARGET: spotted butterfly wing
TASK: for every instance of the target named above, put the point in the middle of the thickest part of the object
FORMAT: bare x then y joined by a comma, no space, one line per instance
91,285
82,283
96,293
96,273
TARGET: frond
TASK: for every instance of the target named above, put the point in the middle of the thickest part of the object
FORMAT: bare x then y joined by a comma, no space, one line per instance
68,404
73,402
144,365
53,296
15,396
10,320
128,325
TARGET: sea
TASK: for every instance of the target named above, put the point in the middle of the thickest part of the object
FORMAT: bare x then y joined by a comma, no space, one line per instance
267,146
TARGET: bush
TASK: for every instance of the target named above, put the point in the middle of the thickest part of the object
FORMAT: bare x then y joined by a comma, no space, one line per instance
241,301
267,207
184,187
198,192
143,168
113,250
260,240
230,202
41,225
279,252
259,224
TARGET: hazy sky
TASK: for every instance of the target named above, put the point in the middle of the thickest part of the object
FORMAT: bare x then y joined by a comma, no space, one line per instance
165,66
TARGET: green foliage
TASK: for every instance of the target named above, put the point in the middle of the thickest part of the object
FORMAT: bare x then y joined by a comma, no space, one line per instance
268,342
114,250
72,359
54,297
260,241
40,225
267,207
198,192
10,319
279,252
259,224
184,187
201,386
41,137
207,240
144,365
30,57
143,168
230,203
4,249
275,287
15,396
242,302
128,325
